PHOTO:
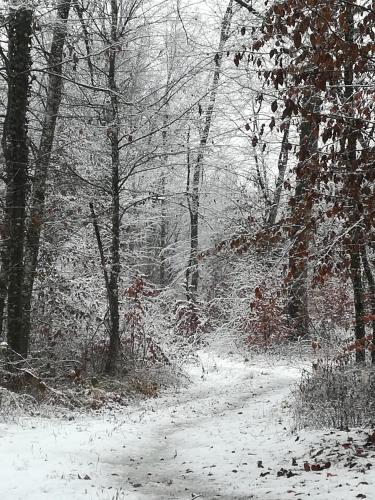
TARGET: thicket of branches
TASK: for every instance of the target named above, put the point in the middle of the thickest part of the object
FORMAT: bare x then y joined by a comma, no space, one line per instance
171,170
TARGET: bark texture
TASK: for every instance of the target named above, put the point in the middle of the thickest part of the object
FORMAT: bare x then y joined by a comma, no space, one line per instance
353,192
300,222
282,166
371,284
16,153
53,101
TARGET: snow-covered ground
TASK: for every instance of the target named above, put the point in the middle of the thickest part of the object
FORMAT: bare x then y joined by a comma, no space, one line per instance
226,436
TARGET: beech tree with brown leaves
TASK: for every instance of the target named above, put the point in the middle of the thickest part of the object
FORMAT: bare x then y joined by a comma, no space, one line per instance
322,57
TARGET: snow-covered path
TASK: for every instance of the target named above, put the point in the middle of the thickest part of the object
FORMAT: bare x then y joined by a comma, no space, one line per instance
208,442
226,436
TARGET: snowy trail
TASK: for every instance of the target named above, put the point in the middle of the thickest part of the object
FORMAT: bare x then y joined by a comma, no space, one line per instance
208,443
226,436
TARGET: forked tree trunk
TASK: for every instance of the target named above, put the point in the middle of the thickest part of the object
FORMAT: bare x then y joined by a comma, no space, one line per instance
16,153
36,220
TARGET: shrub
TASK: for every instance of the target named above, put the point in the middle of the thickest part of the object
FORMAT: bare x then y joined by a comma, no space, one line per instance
335,395
266,320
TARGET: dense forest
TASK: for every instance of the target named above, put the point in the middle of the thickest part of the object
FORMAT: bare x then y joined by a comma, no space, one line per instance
174,171
187,251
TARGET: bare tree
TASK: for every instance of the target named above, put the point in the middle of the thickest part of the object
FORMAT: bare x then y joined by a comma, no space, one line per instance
37,203
194,177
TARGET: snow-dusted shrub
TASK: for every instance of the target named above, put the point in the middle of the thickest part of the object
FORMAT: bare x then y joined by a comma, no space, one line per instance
72,332
266,320
331,308
246,300
142,320
190,319
14,405
334,395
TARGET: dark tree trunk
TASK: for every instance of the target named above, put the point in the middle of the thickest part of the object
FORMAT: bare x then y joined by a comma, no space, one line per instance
163,236
3,279
352,189
112,355
163,214
371,284
54,93
16,153
300,223
359,307
113,298
282,166
192,272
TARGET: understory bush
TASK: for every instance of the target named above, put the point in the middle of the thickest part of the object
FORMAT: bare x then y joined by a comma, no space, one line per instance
13,405
27,389
335,395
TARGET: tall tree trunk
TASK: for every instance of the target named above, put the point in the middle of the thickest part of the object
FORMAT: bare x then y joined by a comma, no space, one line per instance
300,219
353,191
16,153
164,162
54,93
282,166
163,236
371,284
113,298
192,273
3,277
358,289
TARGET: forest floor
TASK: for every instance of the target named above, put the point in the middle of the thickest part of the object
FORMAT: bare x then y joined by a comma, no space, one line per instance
227,435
